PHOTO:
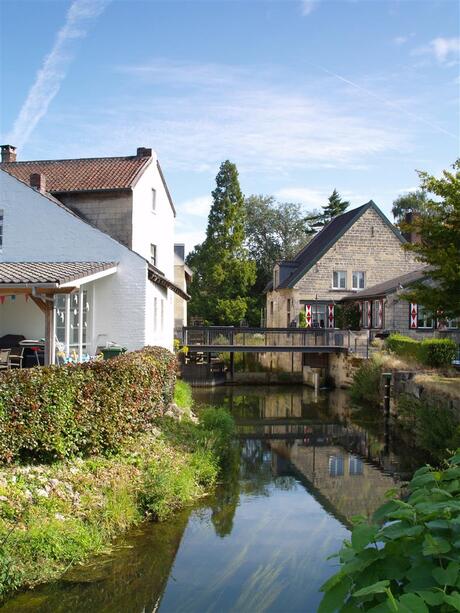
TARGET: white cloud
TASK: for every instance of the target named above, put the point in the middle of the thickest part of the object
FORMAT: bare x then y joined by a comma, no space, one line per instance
401,40
305,195
53,71
190,238
445,50
196,206
308,6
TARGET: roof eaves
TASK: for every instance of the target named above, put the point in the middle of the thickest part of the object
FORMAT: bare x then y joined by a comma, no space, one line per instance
296,276
140,171
166,188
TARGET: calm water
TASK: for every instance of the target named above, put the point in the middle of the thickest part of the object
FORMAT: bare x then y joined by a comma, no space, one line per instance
304,467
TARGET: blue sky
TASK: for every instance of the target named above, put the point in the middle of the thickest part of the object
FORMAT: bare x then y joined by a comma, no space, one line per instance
303,96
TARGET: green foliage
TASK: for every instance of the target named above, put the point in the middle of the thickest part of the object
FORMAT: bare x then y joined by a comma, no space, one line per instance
57,412
412,202
409,559
53,516
438,223
274,231
366,382
223,272
335,206
431,351
183,395
347,316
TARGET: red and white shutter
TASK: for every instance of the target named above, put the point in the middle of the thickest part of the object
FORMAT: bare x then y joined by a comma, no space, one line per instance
308,315
380,322
413,315
369,314
330,315
360,314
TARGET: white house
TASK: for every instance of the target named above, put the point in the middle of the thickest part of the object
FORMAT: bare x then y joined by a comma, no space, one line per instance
87,252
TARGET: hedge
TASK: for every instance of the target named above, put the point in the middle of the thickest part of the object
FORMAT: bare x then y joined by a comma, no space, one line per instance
431,351
58,412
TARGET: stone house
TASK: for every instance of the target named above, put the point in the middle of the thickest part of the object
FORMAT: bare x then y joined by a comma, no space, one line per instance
182,278
356,250
91,241
382,310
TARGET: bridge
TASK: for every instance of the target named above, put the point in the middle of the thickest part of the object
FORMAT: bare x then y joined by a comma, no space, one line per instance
218,339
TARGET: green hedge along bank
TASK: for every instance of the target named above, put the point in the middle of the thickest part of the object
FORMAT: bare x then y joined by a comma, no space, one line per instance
436,352
94,480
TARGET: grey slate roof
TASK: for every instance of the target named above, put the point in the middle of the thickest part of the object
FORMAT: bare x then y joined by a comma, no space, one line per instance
390,286
323,241
36,273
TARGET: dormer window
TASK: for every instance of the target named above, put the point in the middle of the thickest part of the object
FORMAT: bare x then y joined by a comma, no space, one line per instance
1,229
358,280
154,200
339,279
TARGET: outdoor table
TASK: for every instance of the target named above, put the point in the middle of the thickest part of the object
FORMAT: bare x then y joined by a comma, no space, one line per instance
34,346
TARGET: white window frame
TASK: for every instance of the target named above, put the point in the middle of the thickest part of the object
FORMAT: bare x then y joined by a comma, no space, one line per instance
2,228
80,324
424,316
341,274
154,254
154,200
358,275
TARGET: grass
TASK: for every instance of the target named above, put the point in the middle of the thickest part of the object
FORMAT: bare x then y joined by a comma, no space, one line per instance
54,516
183,395
450,386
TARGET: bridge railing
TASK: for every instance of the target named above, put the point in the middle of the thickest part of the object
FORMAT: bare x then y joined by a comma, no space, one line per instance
228,337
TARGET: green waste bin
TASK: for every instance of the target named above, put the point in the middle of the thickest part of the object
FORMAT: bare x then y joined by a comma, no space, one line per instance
112,352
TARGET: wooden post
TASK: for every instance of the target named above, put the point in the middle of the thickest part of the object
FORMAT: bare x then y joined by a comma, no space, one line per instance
50,345
232,365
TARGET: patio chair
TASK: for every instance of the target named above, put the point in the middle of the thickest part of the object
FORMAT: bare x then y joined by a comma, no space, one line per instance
16,357
4,359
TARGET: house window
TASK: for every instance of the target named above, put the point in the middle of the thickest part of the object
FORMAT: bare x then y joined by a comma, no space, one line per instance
153,254
365,315
358,280
339,279
355,465
319,315
424,318
452,323
288,314
71,327
1,228
336,465
271,308
154,200
376,314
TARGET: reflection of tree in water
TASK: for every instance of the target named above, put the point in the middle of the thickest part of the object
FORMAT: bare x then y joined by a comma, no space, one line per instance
228,495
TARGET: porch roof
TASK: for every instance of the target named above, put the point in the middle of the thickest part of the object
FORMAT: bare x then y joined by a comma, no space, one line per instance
392,285
49,274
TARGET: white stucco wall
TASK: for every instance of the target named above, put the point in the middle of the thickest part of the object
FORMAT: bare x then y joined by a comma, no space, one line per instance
37,229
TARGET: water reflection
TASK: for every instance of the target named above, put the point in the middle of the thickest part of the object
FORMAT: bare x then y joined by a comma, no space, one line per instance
303,466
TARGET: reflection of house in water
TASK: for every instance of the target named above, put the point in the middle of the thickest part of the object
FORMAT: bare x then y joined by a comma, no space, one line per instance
351,485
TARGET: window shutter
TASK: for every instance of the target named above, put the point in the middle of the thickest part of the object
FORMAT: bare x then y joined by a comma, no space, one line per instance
380,323
308,315
413,312
369,314
360,314
330,315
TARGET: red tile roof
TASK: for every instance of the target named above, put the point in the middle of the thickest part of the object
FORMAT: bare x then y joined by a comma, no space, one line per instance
81,175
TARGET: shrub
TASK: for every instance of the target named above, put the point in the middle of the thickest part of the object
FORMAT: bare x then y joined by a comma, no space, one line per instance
409,559
183,395
57,412
431,351
366,382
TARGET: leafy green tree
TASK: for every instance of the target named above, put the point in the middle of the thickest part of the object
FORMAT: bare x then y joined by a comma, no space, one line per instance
437,226
335,206
223,272
274,231
411,202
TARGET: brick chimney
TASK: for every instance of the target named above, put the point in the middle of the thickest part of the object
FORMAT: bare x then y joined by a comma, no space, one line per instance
38,182
410,236
144,152
8,153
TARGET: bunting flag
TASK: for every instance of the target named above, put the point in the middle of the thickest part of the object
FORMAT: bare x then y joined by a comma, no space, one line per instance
2,299
308,315
380,314
413,315
330,315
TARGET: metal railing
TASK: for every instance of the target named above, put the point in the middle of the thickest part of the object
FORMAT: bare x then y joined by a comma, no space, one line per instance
229,337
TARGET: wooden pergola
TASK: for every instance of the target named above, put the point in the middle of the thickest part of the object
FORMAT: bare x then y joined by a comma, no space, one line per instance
42,282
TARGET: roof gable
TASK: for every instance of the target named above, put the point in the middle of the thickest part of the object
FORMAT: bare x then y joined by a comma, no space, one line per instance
327,237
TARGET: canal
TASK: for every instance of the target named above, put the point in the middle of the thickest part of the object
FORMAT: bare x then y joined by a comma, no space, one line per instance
304,465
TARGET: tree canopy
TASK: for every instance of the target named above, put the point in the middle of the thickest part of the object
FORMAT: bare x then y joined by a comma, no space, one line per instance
223,272
335,206
412,202
437,226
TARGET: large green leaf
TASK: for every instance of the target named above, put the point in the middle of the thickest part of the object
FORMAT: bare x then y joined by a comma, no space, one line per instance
334,597
435,545
453,599
447,576
399,530
411,603
423,480
431,597
375,588
362,535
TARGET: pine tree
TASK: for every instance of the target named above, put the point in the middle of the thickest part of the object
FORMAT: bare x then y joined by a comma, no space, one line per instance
223,273
335,206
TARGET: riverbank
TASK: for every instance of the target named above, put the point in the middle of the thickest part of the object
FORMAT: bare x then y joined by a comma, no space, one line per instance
53,516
